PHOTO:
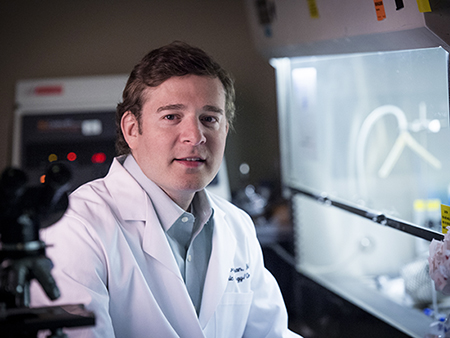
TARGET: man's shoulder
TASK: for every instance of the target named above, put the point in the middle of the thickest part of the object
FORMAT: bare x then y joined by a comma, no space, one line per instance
89,189
117,177
116,187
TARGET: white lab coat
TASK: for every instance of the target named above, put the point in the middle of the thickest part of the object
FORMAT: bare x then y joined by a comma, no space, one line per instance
111,254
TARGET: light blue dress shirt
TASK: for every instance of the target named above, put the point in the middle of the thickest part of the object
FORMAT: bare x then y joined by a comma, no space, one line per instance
189,233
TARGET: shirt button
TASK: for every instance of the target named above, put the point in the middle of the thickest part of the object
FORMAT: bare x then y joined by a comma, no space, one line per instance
184,219
189,258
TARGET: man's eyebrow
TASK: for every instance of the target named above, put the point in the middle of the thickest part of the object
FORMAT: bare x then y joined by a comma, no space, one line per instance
179,106
213,109
171,107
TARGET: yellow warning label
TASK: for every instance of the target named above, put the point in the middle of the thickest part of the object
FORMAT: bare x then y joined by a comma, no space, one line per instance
445,217
424,6
313,10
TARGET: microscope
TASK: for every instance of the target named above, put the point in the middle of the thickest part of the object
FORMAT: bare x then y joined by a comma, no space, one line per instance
24,210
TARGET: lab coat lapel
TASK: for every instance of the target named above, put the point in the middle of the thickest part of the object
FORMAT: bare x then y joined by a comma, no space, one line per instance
155,242
222,255
181,312
133,204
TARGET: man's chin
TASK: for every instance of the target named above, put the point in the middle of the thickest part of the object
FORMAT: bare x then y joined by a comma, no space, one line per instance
193,186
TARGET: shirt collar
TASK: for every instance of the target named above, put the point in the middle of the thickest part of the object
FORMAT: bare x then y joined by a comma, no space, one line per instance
166,209
201,208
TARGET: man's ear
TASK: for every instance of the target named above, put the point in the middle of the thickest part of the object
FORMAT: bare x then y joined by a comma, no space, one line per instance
130,128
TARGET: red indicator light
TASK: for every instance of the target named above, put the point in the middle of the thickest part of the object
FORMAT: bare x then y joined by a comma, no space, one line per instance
71,156
48,90
98,158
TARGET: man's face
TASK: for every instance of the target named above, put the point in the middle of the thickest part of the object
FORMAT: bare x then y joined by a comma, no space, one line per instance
183,134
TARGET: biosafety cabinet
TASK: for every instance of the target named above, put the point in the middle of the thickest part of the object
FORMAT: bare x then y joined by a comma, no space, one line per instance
363,107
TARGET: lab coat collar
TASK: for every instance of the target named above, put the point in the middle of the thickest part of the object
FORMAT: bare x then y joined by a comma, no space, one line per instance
166,209
133,204
126,192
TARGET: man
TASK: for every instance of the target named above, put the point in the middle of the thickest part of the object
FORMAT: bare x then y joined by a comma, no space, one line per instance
147,248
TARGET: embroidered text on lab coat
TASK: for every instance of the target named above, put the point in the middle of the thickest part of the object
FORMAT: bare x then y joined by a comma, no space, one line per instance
239,274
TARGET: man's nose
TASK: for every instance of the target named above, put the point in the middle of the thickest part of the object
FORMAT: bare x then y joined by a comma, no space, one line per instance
193,132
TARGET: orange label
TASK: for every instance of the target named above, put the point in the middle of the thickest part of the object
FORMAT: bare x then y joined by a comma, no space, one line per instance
379,8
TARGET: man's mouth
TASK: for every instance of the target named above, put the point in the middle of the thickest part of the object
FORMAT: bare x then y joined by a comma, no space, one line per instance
190,159
191,162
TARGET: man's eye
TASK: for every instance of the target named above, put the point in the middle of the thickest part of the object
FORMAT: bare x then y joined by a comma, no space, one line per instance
210,119
169,117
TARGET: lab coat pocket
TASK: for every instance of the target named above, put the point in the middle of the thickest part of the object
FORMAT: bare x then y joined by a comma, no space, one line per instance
232,313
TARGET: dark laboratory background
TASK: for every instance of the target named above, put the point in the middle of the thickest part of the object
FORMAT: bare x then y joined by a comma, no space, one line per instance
71,39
